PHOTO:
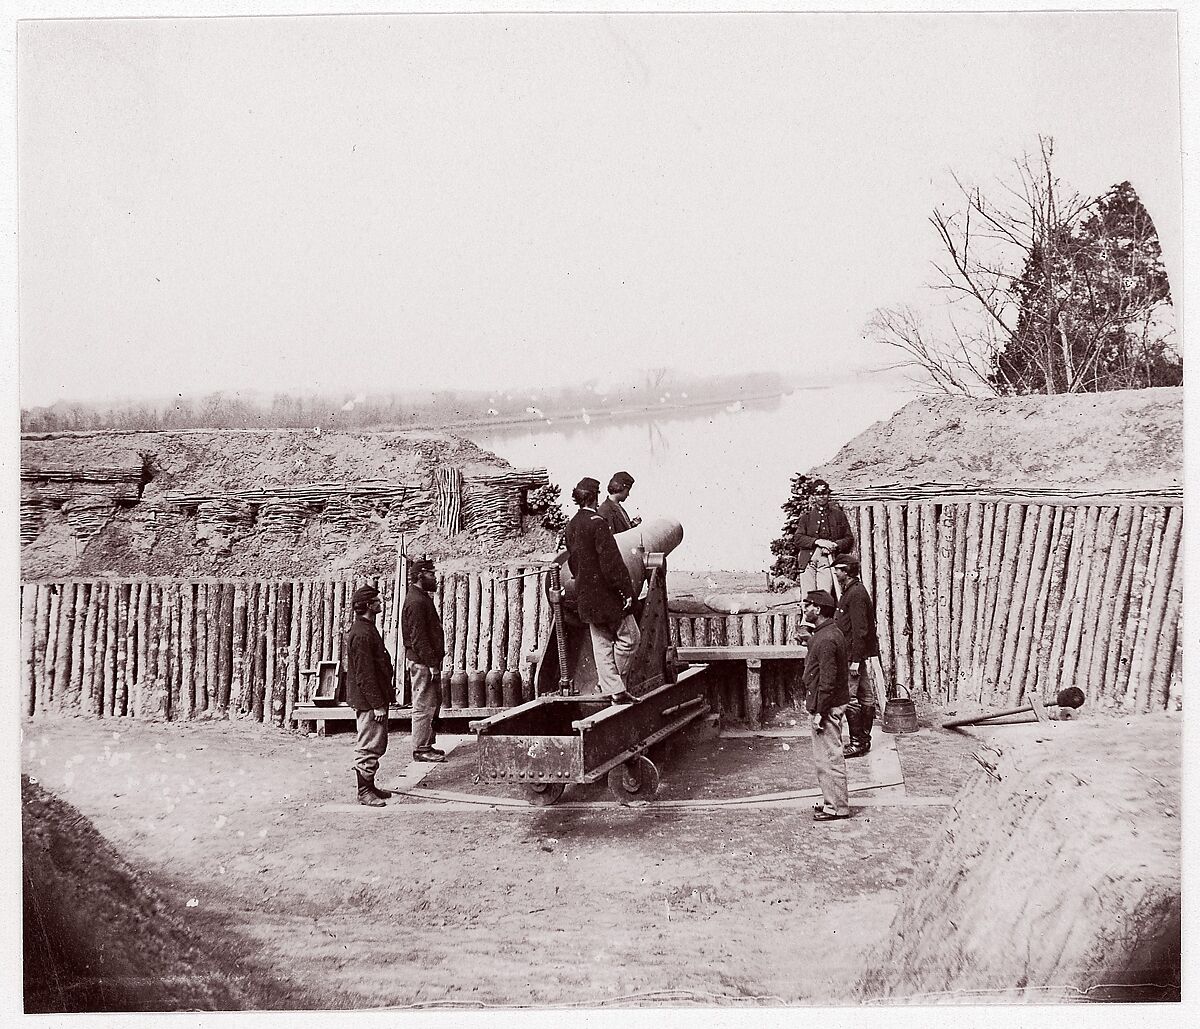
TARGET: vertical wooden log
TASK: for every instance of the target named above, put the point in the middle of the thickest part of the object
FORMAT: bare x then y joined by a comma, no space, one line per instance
930,581
1139,599
1047,627
203,670
41,633
71,698
224,653
991,593
1012,675
499,643
462,619
898,567
947,521
109,697
161,704
959,587
237,685
141,682
291,668
764,630
1077,563
487,586
95,697
1087,610
1166,645
886,623
63,651
449,612
275,650
529,640
1017,546
89,648
1151,628
146,695
474,591
972,532
127,617
28,648
53,606
187,660
1106,618
257,631
916,604
978,634
866,549
329,630
516,623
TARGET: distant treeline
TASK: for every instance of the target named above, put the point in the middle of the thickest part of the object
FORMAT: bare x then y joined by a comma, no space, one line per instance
661,388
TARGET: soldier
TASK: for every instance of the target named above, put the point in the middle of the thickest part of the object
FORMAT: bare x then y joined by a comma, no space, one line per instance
822,533
826,696
424,650
612,510
369,690
603,592
856,618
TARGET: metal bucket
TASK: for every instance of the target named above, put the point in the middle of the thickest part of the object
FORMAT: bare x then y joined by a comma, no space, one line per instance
900,715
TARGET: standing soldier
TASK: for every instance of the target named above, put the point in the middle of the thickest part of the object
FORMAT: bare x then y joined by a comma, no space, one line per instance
822,533
603,592
827,694
369,690
856,618
613,509
424,650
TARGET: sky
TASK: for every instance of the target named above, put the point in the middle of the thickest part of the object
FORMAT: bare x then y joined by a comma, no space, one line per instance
327,204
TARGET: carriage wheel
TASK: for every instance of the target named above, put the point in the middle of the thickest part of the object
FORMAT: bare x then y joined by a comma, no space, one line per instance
543,794
636,779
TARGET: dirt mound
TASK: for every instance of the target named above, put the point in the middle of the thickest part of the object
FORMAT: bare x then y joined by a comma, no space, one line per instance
1122,440
109,503
96,935
1056,879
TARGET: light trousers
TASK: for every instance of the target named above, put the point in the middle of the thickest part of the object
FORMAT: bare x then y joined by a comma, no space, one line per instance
613,652
371,744
830,762
426,703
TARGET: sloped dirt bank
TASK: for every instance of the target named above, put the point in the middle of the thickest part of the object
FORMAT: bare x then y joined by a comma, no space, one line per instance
1057,877
98,935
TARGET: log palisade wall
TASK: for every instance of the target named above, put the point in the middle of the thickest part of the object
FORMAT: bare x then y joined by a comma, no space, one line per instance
978,602
984,601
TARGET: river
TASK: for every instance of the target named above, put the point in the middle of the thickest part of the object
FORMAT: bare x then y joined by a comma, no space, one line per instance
723,472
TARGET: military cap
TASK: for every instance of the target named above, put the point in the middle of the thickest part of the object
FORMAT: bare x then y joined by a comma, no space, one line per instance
364,594
422,564
620,480
588,485
848,562
822,598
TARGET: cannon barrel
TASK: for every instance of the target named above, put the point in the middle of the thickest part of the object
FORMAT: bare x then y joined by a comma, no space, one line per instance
656,536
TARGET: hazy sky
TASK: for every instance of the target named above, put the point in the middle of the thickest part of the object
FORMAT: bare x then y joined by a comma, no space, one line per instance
390,202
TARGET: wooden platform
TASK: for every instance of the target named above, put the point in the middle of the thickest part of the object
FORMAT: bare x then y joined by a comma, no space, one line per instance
322,713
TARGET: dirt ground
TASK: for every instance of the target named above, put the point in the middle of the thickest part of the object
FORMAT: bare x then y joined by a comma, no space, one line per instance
297,893
1120,440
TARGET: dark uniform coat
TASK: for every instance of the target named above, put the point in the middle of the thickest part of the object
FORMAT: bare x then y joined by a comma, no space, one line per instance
424,641
615,515
369,684
817,523
602,581
856,618
826,670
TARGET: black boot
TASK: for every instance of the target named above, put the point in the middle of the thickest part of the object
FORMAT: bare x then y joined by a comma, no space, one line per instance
854,719
366,795
867,720
379,791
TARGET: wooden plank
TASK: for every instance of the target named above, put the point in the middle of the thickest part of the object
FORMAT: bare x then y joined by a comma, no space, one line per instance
916,601
776,652
882,592
1150,632
754,700
1012,678
901,626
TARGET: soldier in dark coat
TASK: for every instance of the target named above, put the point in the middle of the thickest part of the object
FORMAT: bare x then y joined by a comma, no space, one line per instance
424,650
823,532
370,689
856,618
612,510
603,591
827,692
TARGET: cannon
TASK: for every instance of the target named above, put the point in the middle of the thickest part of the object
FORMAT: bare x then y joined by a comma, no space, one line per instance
568,733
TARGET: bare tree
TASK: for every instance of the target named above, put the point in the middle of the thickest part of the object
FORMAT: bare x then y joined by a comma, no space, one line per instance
1040,298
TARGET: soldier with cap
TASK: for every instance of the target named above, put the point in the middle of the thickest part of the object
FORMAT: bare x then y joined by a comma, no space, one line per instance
370,689
822,532
424,650
612,510
603,591
826,695
856,618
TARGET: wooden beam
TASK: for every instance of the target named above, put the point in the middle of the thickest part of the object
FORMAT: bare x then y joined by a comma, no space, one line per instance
774,652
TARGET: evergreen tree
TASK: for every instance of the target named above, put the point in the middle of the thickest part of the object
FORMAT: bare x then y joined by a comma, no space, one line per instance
784,547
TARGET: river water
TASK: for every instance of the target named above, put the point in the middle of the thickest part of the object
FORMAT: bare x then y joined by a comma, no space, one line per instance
723,472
